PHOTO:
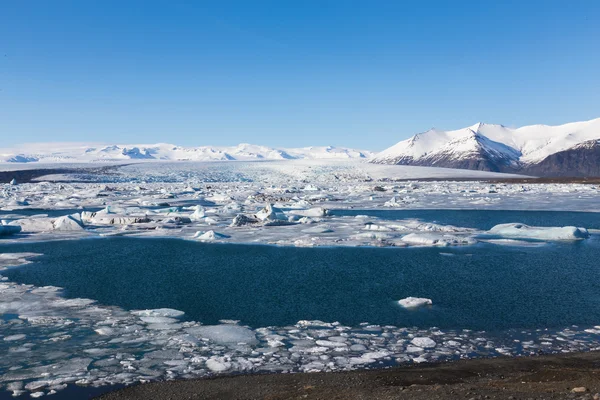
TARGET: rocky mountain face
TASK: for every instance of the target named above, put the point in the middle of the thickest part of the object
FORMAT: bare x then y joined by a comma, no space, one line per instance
540,150
582,160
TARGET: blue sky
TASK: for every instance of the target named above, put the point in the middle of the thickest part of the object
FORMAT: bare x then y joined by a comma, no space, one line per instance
362,74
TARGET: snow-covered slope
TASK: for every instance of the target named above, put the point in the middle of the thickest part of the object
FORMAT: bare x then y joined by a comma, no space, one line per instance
489,147
85,152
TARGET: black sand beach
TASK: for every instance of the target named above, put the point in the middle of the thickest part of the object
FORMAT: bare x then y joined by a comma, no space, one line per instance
568,376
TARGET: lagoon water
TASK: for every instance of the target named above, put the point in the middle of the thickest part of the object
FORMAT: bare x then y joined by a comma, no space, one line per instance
488,300
484,219
485,286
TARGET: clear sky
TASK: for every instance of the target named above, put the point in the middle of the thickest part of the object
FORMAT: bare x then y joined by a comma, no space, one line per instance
362,74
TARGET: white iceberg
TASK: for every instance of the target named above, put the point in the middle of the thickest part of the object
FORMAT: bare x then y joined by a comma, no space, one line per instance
198,213
437,239
210,236
522,231
68,223
270,213
424,342
159,312
225,334
414,302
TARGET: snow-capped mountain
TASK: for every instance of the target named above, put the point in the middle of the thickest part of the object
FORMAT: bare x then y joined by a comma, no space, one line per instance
497,148
78,152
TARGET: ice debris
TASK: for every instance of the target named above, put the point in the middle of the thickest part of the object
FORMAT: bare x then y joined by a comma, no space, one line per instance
522,231
414,302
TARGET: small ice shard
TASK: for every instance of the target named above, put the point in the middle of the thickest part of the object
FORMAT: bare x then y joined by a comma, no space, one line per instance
13,182
104,331
13,338
198,213
216,365
224,334
210,236
517,230
437,239
311,212
68,223
414,302
392,203
423,342
318,229
270,213
159,312
242,220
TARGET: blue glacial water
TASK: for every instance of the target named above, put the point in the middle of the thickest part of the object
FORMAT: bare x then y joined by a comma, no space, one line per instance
484,219
485,286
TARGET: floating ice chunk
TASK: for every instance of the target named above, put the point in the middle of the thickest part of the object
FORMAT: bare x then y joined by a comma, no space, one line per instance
100,218
68,223
209,236
371,235
436,239
310,188
13,182
224,334
514,242
413,302
159,320
159,312
219,198
34,224
424,342
312,212
414,349
217,364
13,338
329,343
104,331
270,213
361,360
369,226
242,220
198,213
318,229
517,230
394,202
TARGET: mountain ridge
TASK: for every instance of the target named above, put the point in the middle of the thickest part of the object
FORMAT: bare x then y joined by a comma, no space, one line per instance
84,152
497,148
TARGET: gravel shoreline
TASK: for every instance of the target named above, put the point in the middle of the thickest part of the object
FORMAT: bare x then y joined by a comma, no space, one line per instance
565,376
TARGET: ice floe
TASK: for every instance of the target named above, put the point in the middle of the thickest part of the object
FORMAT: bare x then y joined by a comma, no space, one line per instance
522,231
270,202
414,302
49,342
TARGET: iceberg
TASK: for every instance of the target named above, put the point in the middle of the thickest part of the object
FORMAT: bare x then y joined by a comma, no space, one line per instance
424,342
225,334
414,302
437,239
522,231
210,236
198,213
270,213
68,223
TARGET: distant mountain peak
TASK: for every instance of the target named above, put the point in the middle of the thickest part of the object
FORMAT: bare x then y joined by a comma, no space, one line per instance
490,146
165,151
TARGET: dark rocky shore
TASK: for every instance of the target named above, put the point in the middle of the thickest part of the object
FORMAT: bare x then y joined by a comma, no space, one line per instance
568,376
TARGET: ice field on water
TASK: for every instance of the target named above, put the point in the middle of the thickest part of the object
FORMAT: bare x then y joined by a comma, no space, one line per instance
179,270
